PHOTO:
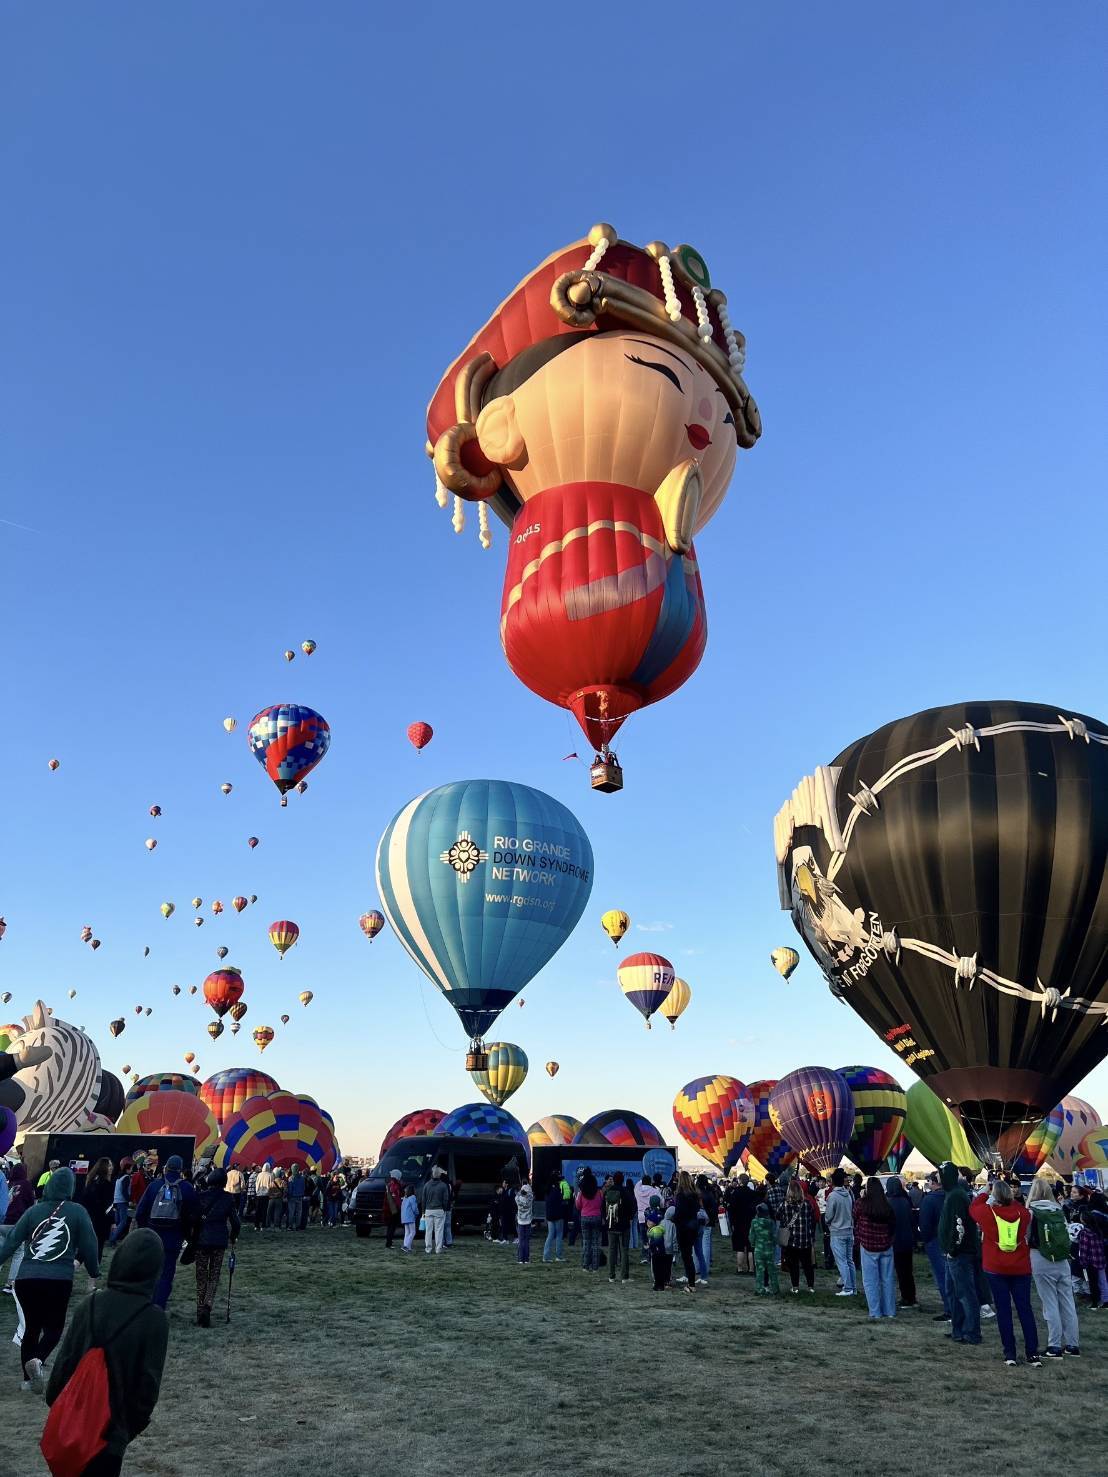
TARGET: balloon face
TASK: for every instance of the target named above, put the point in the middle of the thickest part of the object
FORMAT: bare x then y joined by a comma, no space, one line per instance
1078,1117
952,896
784,961
484,1120
813,1111
1039,1146
371,924
676,1002
615,924
283,934
880,1104
933,1128
420,734
506,1072
483,881
715,1116
222,989
288,741
419,1121
646,980
557,1130
225,1092
621,1128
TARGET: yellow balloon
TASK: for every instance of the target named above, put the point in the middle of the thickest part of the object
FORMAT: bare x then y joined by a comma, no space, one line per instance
676,1002
784,961
615,924
230,724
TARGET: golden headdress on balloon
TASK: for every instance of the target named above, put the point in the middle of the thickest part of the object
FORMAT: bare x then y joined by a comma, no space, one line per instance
596,284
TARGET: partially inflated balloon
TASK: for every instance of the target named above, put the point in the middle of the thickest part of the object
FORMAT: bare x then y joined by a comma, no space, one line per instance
506,1072
1078,1118
371,924
949,882
615,924
935,1131
172,1113
419,1121
420,734
813,1111
1039,1146
225,1092
621,1128
557,1130
111,1099
484,1120
715,1116
483,881
784,961
64,1080
880,1104
280,1127
283,934
222,988
288,740
646,980
159,1082
1092,1151
676,1002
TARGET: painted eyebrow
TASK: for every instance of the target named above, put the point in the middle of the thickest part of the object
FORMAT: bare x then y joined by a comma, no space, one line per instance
656,367
644,344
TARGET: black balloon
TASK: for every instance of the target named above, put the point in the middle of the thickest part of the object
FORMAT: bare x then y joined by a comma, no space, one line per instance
948,874
112,1096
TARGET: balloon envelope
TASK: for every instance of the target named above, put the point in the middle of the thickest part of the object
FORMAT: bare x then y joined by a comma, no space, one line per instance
766,1144
880,1104
222,988
371,924
160,1082
676,1002
420,734
557,1130
646,980
483,881
620,1127
784,961
283,934
1092,1151
1078,1118
615,924
225,1092
1039,1145
169,1113
715,1116
506,1072
485,1120
813,1111
418,1121
935,1131
288,741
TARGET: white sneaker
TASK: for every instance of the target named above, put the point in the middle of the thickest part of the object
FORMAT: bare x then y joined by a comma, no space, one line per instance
812,1291
986,1311
25,1386
679,1280
34,1374
844,1294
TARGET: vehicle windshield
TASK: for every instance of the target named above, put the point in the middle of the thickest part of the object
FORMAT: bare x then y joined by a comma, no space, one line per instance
412,1160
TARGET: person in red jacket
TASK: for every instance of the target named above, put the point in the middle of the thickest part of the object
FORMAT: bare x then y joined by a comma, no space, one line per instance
1006,1259
390,1206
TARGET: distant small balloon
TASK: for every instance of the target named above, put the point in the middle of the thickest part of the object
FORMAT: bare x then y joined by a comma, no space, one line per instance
72,996
238,903
253,897
94,943
126,1068
215,1029
168,910
251,841
134,1076
226,787
192,989
118,1026
230,724
290,655
149,1010
284,1020
784,961
5,997
138,1009
176,989
306,997
307,647
238,1010
146,952
195,1068
197,901
420,734
221,952
53,764
150,843
155,810
263,1035
235,1028
552,1069
301,786
190,1056
199,922
217,907
371,924
86,934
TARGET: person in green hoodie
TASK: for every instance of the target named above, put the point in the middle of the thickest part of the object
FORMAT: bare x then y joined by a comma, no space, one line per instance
54,1235
124,1321
958,1241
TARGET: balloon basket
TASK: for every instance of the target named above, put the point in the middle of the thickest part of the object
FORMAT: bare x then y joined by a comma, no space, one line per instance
477,1058
606,775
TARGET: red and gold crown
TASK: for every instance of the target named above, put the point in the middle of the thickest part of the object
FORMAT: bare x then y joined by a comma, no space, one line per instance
595,284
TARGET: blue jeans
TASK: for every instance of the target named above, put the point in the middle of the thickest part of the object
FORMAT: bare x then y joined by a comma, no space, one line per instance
552,1246
634,1233
1007,1290
965,1306
702,1249
171,1245
939,1271
842,1249
122,1216
879,1283
523,1234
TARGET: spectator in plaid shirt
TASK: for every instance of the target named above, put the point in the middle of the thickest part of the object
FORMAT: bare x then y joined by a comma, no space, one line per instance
800,1219
775,1200
874,1225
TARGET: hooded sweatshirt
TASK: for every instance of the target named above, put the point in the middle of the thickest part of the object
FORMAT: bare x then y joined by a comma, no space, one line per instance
957,1232
22,1195
525,1205
172,1180
136,1355
930,1212
994,1259
56,1231
838,1212
555,1204
904,1235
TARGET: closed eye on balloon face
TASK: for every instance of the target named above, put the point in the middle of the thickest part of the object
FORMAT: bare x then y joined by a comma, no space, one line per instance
661,368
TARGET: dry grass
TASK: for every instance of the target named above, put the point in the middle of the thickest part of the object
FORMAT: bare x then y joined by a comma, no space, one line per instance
339,1353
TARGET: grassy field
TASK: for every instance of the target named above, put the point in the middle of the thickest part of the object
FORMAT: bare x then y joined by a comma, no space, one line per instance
344,1360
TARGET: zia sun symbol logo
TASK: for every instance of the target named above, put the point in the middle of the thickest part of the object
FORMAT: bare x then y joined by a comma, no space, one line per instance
465,856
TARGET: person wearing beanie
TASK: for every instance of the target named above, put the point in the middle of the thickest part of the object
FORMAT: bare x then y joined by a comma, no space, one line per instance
54,1234
168,1207
133,1333
217,1226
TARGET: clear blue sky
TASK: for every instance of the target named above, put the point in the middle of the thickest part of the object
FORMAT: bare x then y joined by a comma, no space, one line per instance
242,243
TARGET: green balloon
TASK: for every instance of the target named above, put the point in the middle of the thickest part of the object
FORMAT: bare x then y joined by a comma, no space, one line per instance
933,1129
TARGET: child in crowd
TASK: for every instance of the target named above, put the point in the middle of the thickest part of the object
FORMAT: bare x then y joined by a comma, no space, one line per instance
661,1236
409,1216
763,1243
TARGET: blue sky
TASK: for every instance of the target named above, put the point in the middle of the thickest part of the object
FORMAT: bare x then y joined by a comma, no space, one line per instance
242,245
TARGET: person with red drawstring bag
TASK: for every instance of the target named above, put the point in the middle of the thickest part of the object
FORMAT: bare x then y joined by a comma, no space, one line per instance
108,1372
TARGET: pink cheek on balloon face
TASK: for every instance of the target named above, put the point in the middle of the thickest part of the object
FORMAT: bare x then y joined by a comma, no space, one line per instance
704,410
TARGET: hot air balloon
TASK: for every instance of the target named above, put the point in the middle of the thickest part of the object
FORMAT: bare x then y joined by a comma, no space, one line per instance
484,1120
5,997
199,922
615,924
217,907
419,1121
676,1002
483,881
167,910
552,1069
222,951
253,897
197,902
898,1154
715,1116
176,989
301,787
602,611
1039,1146
138,1009
285,1020
53,764
86,934
226,787
146,952
307,647
880,1105
290,655
263,1035
149,1010
1078,1118
72,994
935,1131
306,997
621,1128
94,944
118,1026
223,988
646,980
813,1111
126,1069
150,843
3,928
111,1098
420,734
238,1010
952,896
155,810
1092,1151
225,1092
238,903
505,1073
557,1130
192,989
288,740
371,924
190,1056
230,724
283,934
278,1127
235,1028
215,1029
784,961
251,841
195,1068
172,1113
160,1082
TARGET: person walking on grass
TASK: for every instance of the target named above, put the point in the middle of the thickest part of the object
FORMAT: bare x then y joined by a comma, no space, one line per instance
709,1204
687,1212
216,1226
619,1211
799,1219
409,1217
168,1207
1049,1241
590,1203
644,1193
874,1229
54,1234
764,1245
1006,1257
295,1199
121,1201
435,1200
390,1205
97,1196
960,1245
133,1332
930,1213
555,1222
525,1210
838,1220
904,1241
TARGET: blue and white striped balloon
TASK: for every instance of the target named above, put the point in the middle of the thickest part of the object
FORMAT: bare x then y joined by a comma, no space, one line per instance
483,881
